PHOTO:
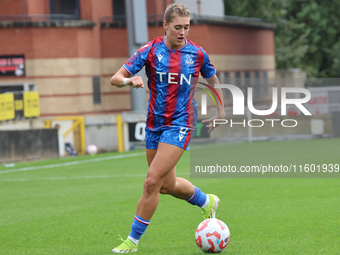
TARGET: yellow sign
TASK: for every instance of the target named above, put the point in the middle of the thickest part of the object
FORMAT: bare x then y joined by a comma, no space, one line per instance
31,104
19,105
7,111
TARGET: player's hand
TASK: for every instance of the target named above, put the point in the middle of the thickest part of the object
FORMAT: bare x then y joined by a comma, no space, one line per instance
136,82
211,122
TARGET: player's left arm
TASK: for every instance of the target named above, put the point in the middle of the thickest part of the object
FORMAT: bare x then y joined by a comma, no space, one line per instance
220,107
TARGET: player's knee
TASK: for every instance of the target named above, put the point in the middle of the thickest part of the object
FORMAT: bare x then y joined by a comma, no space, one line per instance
150,184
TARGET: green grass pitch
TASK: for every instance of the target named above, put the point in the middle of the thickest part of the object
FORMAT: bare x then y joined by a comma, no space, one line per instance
81,205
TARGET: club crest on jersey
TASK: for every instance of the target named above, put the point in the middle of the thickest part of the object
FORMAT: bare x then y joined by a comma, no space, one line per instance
189,60
182,133
159,56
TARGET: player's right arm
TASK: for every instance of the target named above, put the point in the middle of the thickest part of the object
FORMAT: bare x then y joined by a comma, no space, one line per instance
118,79
132,66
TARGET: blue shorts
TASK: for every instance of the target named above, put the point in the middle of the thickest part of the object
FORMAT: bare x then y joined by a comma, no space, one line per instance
178,136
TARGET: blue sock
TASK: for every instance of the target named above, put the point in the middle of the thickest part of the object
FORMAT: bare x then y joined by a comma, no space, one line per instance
139,226
198,198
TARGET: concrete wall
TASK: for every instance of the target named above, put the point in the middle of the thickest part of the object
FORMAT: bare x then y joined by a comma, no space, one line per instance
336,124
35,123
101,131
25,145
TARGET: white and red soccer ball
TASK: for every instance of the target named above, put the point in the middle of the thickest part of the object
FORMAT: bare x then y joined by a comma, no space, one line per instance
212,236
92,149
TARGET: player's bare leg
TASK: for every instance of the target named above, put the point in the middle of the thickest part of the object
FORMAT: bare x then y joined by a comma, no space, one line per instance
162,164
162,161
161,178
175,186
183,189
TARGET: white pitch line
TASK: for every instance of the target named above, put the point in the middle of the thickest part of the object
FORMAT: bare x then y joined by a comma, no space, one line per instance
71,163
76,177
57,178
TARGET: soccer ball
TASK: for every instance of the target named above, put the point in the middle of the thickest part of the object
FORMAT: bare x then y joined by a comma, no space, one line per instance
212,236
92,149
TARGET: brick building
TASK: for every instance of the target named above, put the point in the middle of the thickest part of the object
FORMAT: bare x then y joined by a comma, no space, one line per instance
71,48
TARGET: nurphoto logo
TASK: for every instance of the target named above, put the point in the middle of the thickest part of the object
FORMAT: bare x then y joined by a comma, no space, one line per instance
239,105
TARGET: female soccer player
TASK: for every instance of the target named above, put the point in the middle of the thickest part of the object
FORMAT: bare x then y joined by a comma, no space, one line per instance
172,65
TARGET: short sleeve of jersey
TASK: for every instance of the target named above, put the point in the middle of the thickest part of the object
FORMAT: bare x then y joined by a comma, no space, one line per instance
136,62
207,70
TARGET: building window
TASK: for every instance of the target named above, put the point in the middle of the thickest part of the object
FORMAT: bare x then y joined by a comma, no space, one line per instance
64,9
11,88
257,83
226,77
238,79
265,83
17,88
118,9
226,81
218,75
96,90
247,79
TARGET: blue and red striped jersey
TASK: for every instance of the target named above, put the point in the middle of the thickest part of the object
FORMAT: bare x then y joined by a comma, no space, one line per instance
172,77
